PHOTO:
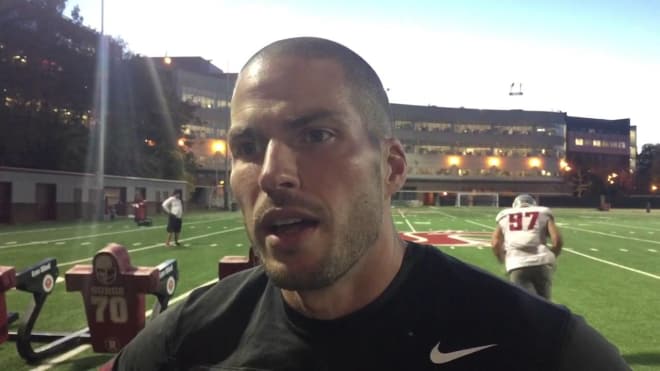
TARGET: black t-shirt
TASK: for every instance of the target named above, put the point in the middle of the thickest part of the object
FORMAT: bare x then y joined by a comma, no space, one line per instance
437,314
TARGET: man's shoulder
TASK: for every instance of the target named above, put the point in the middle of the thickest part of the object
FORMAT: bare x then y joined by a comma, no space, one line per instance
181,335
234,288
477,289
223,307
471,305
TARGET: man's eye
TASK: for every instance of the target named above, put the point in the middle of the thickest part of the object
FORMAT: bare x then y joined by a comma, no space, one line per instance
244,149
317,136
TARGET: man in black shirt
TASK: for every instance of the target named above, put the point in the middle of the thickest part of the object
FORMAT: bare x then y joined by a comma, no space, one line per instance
315,165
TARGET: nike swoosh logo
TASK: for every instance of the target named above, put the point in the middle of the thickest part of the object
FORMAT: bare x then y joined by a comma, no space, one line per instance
439,357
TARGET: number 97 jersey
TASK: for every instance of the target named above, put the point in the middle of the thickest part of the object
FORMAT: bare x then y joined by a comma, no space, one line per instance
525,231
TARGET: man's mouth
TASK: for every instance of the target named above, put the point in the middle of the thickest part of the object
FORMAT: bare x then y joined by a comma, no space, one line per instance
291,225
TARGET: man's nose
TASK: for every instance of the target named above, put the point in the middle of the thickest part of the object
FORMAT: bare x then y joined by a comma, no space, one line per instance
279,170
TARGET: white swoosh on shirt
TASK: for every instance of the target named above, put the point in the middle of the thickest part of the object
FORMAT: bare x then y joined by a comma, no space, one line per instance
439,357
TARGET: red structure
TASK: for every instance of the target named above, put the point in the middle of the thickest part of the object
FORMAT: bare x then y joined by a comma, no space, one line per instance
113,292
7,281
231,264
140,207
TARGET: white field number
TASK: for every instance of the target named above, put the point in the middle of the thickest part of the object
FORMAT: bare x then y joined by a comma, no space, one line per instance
117,307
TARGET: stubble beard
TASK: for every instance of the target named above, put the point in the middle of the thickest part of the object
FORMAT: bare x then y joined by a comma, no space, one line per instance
355,234
352,237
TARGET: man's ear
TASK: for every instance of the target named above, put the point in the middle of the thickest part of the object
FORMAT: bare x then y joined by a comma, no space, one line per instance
396,166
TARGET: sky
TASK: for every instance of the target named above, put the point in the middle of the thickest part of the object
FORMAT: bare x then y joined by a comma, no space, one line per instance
588,58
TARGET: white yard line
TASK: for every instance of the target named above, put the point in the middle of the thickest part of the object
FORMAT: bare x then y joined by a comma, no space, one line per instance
160,244
138,229
437,209
93,226
37,230
613,264
479,224
628,226
412,229
598,259
613,235
75,351
589,231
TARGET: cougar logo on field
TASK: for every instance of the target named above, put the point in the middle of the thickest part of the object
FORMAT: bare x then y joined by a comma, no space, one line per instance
448,238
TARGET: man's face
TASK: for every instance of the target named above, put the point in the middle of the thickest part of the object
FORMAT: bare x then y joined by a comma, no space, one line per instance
307,178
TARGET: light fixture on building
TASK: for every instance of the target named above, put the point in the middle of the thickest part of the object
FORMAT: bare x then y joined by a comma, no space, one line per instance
534,162
454,160
219,146
494,161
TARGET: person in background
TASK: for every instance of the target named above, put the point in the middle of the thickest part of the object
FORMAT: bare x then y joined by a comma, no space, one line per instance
519,241
173,206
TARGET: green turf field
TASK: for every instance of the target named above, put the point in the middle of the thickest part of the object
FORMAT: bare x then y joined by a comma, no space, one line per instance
609,271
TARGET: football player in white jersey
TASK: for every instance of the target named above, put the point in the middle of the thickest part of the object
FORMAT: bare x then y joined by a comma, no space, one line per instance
519,241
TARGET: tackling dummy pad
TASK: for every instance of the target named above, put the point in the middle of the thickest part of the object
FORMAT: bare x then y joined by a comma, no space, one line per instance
113,292
7,281
231,264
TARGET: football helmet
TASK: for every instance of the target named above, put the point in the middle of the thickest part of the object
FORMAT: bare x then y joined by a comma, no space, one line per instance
524,200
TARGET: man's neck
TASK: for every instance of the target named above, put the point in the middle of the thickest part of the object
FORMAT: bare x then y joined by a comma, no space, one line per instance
366,280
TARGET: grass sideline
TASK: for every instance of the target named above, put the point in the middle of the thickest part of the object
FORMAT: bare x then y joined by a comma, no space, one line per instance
609,272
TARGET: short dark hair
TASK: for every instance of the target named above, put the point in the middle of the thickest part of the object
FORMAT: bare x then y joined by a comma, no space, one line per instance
369,97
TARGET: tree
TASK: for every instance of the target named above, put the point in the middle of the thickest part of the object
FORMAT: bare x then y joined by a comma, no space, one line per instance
46,74
49,112
75,15
581,182
648,167
145,122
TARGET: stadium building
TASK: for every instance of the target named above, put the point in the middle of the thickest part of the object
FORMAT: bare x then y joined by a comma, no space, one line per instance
34,195
604,148
200,83
459,151
454,151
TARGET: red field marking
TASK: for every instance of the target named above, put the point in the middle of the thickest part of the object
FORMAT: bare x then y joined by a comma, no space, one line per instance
448,238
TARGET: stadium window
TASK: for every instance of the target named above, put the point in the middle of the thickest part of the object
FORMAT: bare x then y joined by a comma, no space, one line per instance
403,125
596,143
579,141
